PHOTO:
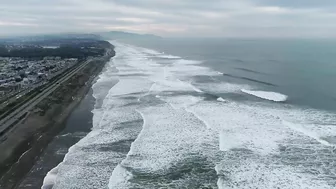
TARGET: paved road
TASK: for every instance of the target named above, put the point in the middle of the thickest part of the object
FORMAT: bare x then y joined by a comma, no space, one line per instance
13,97
10,120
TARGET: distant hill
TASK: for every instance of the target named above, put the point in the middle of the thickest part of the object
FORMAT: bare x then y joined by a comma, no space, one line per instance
127,35
50,38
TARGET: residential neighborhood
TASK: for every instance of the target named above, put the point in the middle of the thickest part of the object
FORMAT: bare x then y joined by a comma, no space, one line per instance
18,74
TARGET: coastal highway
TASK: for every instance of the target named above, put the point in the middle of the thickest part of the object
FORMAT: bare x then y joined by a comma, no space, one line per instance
14,97
10,120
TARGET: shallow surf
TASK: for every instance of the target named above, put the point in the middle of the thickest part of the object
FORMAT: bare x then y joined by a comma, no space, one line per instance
157,127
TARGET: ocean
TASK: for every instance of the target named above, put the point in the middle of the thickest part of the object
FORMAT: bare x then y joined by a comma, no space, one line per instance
210,113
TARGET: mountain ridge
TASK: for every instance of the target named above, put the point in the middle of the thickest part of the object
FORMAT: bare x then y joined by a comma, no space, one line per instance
126,35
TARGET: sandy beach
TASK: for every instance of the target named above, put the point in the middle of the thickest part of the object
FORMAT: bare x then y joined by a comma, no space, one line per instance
76,126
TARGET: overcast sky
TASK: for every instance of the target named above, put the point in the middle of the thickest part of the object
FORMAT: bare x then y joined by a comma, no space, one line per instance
215,18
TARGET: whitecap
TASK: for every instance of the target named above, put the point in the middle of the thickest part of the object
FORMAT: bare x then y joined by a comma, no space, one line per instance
50,179
169,56
178,124
220,99
260,172
314,131
119,177
272,96
222,87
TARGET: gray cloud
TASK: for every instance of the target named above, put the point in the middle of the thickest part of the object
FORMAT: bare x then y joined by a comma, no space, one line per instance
217,18
300,3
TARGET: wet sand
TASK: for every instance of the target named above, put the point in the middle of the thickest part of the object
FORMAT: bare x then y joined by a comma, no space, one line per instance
77,126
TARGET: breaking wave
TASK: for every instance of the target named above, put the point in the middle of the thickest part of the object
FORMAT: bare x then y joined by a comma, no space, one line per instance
158,128
267,95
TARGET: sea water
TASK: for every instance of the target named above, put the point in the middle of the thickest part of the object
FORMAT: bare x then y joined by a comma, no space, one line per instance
210,114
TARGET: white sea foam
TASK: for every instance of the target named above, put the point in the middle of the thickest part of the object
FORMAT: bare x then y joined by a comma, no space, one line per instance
272,96
186,68
182,101
182,63
84,166
222,87
50,179
260,173
171,132
119,178
242,126
167,85
179,125
261,128
317,132
148,51
134,85
169,56
189,125
168,136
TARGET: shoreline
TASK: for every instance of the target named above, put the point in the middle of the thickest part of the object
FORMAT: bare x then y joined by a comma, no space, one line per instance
28,141
76,126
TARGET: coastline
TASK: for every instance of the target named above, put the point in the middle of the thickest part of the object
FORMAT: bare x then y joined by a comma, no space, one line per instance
24,145
76,126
